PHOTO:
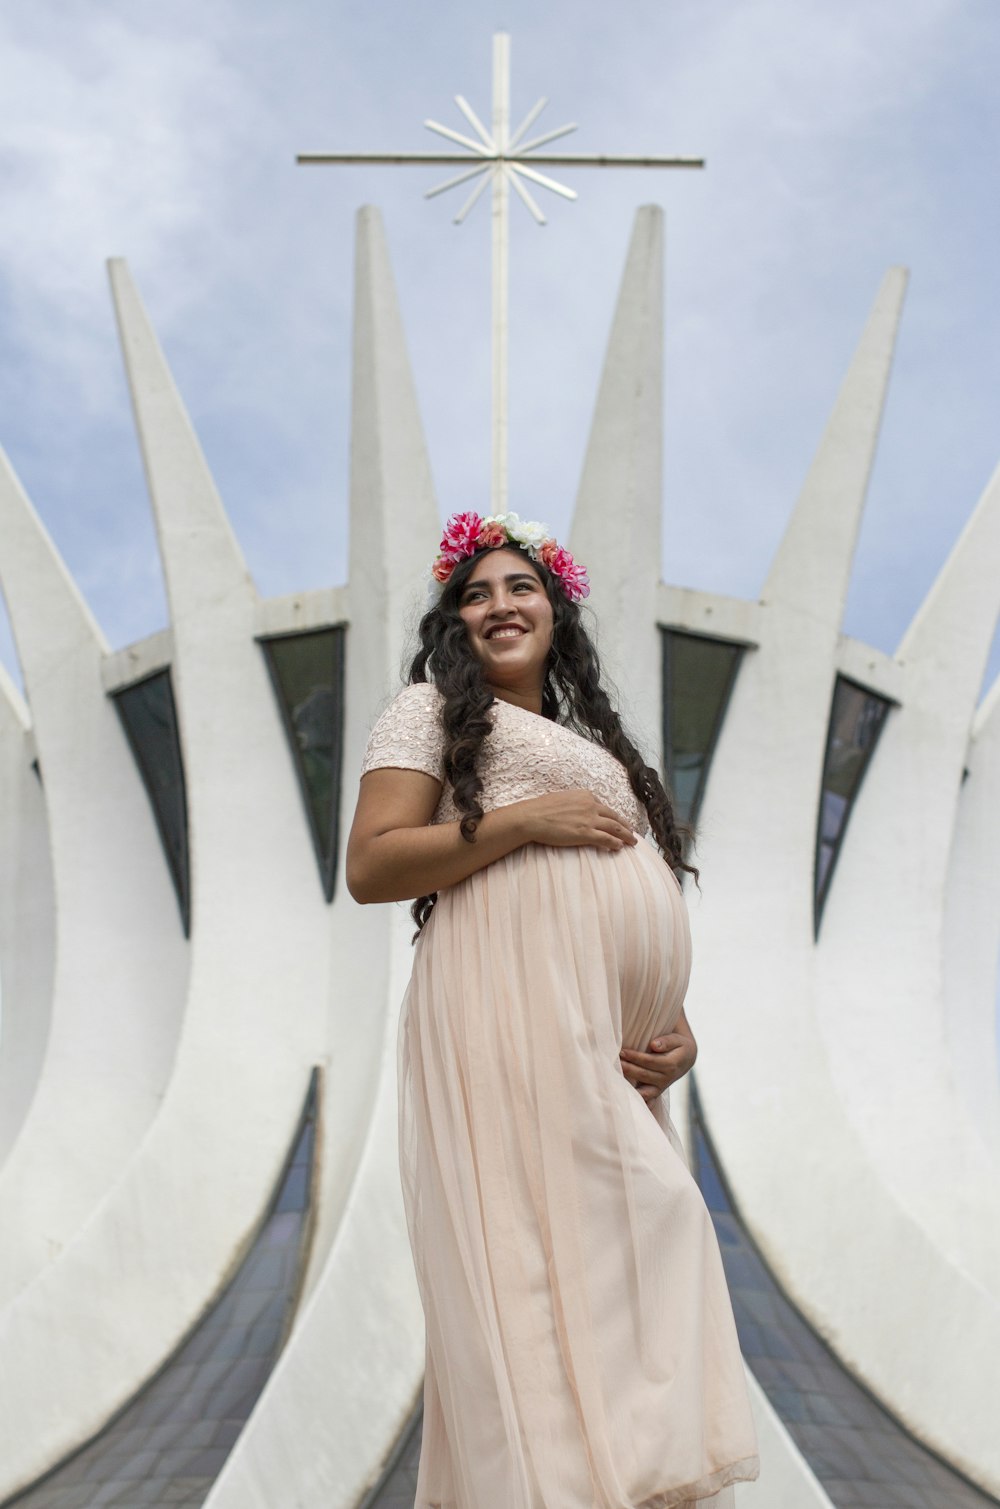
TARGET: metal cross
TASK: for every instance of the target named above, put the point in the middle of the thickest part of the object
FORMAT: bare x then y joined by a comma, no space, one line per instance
501,159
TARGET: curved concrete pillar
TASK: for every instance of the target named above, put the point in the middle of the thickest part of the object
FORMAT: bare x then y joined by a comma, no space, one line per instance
811,569
347,1378
120,958
90,1329
885,922
812,1114
972,928
394,533
790,1029
617,526
27,918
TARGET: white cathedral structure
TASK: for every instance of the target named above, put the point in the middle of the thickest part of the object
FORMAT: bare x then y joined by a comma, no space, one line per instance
206,1290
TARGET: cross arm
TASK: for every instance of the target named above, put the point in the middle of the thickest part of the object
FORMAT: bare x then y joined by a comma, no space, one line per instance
549,159
608,160
408,158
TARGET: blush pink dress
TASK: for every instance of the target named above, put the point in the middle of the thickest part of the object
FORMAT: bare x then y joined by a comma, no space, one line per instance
581,1348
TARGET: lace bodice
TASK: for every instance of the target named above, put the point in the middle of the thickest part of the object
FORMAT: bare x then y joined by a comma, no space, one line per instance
525,756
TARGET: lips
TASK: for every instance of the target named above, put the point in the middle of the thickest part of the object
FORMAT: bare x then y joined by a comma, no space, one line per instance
505,631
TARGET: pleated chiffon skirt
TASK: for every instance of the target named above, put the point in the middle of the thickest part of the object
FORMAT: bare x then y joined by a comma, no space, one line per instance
581,1348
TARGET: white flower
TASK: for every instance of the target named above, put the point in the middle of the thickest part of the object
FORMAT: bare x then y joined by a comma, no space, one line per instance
505,520
531,534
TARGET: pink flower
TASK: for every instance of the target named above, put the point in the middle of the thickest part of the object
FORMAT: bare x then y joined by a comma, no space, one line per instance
460,535
572,578
576,583
492,535
442,569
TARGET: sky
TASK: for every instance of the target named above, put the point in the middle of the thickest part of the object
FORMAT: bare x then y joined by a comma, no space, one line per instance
842,137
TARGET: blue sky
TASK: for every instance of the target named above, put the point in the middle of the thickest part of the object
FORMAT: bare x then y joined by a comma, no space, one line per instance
842,137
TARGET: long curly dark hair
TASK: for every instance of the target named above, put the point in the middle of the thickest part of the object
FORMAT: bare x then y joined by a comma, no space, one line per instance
572,693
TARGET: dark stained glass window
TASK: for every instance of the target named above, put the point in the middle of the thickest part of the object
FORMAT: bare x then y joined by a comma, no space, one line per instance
168,1445
307,672
860,1454
856,719
698,677
397,1484
149,717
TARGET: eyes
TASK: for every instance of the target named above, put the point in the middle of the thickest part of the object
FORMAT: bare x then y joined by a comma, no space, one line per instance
476,594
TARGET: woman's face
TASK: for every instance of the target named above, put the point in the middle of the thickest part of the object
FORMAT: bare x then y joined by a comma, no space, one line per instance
508,618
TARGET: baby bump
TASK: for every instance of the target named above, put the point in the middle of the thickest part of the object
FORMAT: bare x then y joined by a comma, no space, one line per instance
648,939
610,927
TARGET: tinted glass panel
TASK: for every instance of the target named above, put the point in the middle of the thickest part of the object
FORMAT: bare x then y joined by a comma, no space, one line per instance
856,719
859,1453
307,671
397,1487
168,1445
149,717
698,676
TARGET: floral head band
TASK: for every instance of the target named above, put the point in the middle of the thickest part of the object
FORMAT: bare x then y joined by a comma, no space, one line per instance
465,533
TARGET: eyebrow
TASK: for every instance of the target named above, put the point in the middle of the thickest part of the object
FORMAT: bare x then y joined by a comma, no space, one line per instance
512,576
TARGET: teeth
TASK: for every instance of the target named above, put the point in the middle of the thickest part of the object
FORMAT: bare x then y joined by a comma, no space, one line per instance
505,633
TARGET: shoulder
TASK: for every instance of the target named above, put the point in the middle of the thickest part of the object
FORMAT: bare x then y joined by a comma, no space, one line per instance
408,732
421,701
418,705
419,694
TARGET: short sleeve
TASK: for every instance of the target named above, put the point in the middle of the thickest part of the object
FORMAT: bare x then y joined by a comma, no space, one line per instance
408,735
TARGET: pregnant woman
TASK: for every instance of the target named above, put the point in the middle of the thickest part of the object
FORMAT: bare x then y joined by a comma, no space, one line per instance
581,1349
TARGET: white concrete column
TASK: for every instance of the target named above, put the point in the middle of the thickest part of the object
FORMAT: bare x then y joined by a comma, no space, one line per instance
27,918
617,526
885,923
972,928
96,1324
353,1364
811,570
120,959
808,1111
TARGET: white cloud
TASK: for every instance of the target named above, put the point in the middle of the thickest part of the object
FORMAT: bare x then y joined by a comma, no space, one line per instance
111,138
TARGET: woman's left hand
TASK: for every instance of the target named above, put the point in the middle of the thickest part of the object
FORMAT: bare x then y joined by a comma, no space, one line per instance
668,1058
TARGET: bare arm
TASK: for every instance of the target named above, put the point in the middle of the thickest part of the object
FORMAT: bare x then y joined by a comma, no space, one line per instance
394,853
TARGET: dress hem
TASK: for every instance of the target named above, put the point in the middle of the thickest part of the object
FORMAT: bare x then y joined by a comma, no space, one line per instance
746,1470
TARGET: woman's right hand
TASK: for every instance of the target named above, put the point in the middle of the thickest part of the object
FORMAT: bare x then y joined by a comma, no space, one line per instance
574,818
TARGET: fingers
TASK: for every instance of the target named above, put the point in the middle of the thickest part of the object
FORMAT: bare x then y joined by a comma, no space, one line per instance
648,1092
654,1061
576,817
661,1077
657,1086
614,833
613,822
666,1042
602,839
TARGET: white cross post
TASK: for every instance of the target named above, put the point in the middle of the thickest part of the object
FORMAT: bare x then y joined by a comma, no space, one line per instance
501,159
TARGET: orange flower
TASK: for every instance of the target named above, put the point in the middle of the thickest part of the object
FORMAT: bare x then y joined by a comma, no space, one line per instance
492,535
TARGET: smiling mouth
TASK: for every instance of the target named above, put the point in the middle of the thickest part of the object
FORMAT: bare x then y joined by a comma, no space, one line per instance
508,632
